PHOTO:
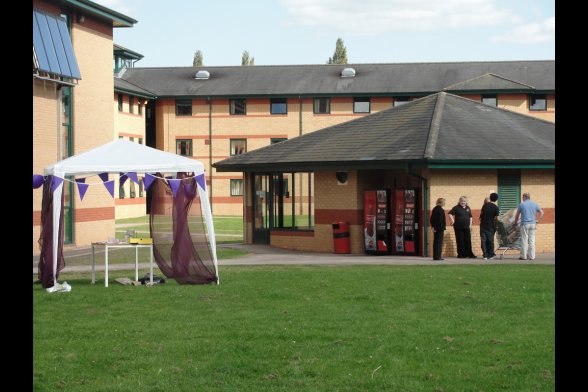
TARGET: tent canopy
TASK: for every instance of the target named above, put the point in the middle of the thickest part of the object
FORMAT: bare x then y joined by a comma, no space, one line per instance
122,156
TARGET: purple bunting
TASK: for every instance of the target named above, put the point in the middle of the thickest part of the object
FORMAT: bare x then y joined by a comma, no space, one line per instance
37,180
148,180
82,187
103,176
133,176
201,181
55,183
175,185
123,179
110,187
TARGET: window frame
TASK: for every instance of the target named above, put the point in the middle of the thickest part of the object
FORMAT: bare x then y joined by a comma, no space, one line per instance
399,101
534,98
189,146
184,104
275,140
131,104
316,105
357,100
279,101
489,96
120,102
232,184
233,107
232,148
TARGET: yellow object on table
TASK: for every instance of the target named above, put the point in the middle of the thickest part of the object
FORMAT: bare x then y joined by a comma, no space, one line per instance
142,241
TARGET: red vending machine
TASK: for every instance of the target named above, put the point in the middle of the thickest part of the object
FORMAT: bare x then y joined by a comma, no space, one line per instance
405,221
376,222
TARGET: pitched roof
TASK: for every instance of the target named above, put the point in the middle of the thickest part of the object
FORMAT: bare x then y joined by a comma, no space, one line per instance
325,79
438,129
489,82
124,86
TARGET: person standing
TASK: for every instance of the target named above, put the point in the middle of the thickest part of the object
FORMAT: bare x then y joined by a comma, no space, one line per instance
461,220
527,211
488,220
437,221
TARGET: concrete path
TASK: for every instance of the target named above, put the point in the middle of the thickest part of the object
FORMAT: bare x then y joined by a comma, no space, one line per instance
266,255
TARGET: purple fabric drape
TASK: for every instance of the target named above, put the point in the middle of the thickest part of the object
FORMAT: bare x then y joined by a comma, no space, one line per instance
180,244
45,266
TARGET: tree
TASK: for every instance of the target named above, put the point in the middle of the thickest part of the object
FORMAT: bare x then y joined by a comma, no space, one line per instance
246,60
198,59
340,55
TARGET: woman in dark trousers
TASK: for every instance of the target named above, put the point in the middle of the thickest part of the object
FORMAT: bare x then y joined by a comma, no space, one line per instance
437,221
461,220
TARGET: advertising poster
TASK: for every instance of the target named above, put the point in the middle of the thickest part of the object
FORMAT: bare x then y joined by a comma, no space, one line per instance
369,229
409,217
399,221
382,221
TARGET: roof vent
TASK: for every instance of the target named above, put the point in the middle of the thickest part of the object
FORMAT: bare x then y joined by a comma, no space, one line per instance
202,74
348,73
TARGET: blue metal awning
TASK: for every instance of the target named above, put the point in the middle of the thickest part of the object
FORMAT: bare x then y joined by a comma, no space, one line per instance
52,49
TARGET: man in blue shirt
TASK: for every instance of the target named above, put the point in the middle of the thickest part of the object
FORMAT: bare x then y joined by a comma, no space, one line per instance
527,211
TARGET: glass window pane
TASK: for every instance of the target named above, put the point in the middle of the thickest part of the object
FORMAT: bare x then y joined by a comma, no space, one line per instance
279,106
183,107
361,105
238,146
538,102
490,99
238,106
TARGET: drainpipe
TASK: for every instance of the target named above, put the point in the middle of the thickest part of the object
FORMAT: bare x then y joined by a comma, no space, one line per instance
210,150
425,204
300,174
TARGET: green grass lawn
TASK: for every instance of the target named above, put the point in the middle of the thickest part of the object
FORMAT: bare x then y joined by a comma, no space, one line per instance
227,229
303,328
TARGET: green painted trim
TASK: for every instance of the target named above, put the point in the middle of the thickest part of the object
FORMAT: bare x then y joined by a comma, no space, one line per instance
305,96
496,165
116,17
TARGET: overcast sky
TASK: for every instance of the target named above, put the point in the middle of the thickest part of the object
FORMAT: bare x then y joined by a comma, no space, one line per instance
278,32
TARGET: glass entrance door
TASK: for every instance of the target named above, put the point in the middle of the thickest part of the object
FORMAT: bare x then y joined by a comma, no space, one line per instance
261,208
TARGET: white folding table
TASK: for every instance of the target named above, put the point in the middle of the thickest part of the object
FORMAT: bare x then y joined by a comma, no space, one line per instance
108,246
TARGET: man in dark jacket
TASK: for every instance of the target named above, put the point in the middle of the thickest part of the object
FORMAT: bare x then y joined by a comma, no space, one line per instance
437,221
488,217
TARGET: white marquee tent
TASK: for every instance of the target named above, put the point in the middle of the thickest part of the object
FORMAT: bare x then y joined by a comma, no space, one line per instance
122,156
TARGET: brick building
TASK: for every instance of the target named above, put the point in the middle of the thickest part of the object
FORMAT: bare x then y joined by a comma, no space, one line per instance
441,145
212,113
73,113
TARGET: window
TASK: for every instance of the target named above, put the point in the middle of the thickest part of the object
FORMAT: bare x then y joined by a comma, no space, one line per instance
399,101
490,99
538,102
140,187
279,106
140,108
140,140
183,107
238,146
509,191
121,190
236,187
361,105
238,106
132,189
131,104
120,102
275,140
184,147
322,106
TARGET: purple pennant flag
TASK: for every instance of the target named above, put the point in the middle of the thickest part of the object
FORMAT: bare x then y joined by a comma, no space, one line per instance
133,176
175,185
82,187
201,181
148,180
55,183
103,176
110,187
123,179
37,180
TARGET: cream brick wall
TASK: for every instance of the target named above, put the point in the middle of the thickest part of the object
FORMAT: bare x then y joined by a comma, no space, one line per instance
476,185
45,130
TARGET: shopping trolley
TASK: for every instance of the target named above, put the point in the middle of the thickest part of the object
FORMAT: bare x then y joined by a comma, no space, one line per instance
509,237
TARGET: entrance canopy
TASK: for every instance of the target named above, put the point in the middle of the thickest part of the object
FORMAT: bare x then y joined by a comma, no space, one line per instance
122,156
